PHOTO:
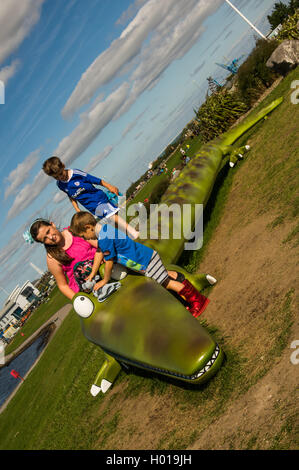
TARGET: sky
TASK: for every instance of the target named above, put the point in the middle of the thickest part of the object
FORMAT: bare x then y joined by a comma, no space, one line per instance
105,85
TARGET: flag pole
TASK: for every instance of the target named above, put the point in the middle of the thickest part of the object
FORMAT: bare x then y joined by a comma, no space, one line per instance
246,19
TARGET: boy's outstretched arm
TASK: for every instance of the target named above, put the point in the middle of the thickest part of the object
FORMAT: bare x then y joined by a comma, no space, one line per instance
110,187
107,275
97,261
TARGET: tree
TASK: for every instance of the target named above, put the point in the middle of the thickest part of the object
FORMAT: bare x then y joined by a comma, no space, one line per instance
293,5
279,14
213,87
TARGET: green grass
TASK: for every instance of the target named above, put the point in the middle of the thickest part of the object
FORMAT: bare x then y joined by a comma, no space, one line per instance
53,408
54,400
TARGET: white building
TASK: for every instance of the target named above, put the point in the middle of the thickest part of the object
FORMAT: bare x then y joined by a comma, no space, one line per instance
16,304
275,32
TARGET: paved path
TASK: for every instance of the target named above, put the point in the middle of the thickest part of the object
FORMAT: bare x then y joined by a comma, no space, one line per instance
56,319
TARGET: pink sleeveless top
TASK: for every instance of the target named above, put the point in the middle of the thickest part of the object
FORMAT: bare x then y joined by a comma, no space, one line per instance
80,250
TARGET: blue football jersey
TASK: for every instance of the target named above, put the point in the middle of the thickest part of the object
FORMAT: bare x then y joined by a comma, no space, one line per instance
81,188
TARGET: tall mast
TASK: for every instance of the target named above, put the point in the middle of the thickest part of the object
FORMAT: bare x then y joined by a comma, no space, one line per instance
246,19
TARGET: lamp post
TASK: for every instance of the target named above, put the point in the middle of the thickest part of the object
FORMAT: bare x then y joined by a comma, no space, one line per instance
4,291
246,19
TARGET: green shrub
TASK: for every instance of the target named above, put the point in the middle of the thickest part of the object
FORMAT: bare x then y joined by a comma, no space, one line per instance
278,15
253,75
158,191
218,113
289,29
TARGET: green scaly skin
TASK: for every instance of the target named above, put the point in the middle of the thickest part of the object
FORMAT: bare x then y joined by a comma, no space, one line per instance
142,324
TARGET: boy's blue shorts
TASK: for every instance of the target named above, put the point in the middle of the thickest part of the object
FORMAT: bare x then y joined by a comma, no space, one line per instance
105,210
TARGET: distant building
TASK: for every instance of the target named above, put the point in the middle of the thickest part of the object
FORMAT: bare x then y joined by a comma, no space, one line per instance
17,303
24,296
275,32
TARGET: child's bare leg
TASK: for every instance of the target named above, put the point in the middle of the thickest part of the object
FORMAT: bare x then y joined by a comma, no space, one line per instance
123,225
172,284
175,286
172,274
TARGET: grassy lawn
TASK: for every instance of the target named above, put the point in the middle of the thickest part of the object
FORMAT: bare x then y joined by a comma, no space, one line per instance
54,409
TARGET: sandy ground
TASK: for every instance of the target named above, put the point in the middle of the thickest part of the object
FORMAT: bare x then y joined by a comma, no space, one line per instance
253,274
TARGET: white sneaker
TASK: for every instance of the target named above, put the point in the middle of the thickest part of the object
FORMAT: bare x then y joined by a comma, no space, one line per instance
211,279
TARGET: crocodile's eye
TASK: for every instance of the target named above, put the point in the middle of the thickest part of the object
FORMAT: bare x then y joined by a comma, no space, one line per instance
83,306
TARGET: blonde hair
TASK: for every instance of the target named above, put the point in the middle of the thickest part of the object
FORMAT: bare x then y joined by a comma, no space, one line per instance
80,220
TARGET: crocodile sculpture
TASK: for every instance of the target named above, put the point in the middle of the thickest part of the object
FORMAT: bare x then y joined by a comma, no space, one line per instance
142,324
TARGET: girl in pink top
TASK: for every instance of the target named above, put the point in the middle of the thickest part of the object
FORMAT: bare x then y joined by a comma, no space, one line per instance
67,255
80,267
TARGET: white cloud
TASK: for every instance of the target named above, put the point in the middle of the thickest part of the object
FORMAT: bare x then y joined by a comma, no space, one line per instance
130,12
138,135
171,27
91,124
21,172
59,197
73,145
9,71
98,158
11,247
121,51
174,36
16,242
132,124
198,68
28,194
17,18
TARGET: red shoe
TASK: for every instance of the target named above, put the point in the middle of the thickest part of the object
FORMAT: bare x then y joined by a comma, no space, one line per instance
197,301
197,310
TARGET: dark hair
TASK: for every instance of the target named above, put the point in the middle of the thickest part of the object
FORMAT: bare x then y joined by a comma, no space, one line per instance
53,250
54,167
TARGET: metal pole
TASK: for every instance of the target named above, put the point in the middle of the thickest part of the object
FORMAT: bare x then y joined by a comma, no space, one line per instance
5,293
4,290
244,18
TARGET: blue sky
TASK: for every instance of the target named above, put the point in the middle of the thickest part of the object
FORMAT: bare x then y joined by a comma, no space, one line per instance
105,85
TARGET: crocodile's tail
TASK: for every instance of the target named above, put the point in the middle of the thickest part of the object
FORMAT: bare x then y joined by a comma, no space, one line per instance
229,137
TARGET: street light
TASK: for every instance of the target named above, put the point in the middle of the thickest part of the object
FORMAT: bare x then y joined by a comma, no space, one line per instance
244,18
7,294
4,291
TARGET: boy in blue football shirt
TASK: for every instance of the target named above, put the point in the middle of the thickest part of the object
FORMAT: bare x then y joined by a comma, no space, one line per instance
79,187
115,246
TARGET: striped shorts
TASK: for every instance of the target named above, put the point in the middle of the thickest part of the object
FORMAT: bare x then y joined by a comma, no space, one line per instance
156,269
